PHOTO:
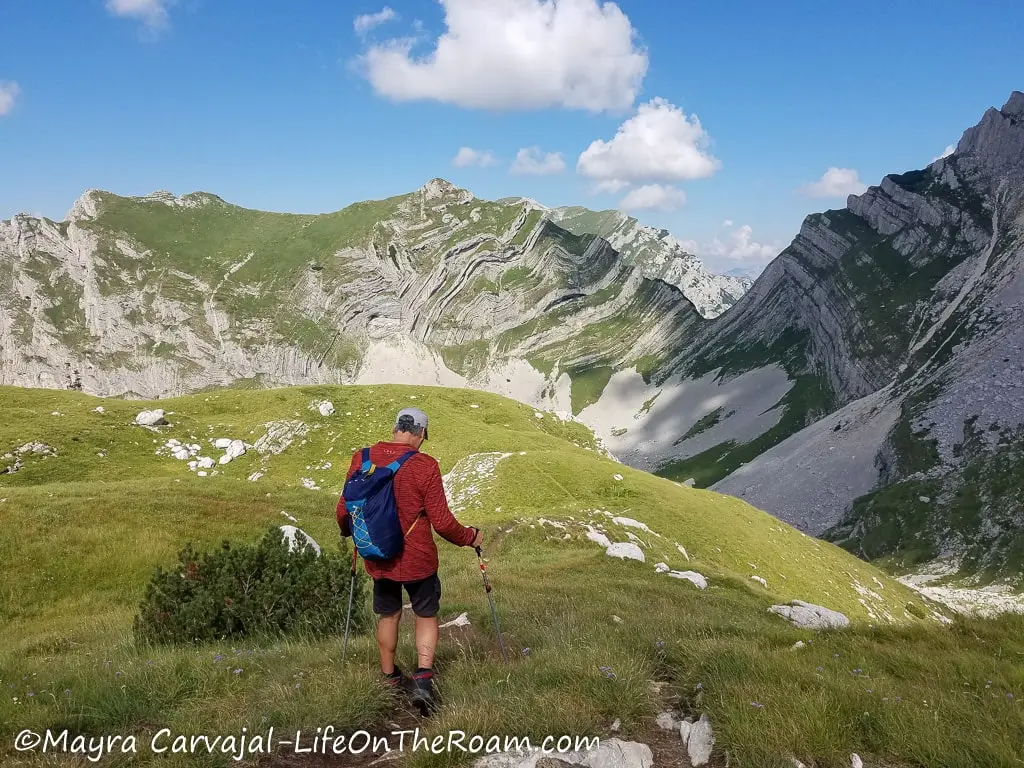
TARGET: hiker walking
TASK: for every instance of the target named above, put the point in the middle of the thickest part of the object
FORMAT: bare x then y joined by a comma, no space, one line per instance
406,555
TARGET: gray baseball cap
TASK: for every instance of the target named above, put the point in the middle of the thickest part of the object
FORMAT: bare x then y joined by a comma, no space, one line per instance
412,417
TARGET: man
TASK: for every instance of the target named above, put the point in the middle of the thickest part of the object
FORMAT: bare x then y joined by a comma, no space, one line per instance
422,506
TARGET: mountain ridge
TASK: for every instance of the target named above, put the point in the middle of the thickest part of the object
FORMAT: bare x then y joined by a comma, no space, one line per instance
851,354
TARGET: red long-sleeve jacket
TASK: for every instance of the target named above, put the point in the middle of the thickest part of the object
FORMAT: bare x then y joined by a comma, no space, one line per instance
419,496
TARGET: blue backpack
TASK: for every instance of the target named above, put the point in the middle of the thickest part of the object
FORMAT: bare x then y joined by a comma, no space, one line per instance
370,502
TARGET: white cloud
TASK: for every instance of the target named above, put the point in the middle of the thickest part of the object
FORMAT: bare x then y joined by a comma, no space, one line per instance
949,150
531,161
835,182
658,197
9,92
518,54
153,13
727,223
610,186
468,157
737,246
660,143
366,22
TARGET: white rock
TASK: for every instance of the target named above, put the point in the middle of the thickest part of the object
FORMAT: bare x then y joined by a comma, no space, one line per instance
613,727
236,448
193,464
924,499
205,462
296,537
661,568
797,763
538,415
616,619
225,459
617,477
684,731
152,418
98,409
689,482
612,753
598,537
798,645
181,454
326,408
665,721
628,521
810,616
255,476
201,473
682,551
309,483
462,620
290,517
221,443
700,742
760,580
474,405
697,579
626,551
855,761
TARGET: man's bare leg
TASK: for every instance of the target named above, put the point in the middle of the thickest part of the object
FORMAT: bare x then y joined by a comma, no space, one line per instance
426,641
387,641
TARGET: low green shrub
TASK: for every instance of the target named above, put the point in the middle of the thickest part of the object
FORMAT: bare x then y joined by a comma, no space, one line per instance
248,589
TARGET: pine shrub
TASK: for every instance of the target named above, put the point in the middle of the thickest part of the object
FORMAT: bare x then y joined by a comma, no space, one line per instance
245,590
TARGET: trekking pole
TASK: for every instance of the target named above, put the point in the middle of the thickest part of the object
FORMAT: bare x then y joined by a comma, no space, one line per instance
490,599
351,593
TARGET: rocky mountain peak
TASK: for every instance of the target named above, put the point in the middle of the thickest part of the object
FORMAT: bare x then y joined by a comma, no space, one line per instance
439,189
1014,107
85,207
996,144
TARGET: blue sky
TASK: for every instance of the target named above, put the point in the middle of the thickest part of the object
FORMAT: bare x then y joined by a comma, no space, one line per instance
287,106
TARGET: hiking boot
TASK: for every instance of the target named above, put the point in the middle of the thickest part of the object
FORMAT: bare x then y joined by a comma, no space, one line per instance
421,693
395,681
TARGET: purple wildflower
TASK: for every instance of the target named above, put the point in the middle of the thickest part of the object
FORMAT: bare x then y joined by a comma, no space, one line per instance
700,686
238,671
755,704
526,651
607,672
31,694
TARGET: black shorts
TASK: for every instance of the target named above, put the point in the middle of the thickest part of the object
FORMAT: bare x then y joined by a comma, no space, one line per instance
425,596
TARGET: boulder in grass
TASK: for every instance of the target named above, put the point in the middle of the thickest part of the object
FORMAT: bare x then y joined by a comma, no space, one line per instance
154,418
298,539
810,616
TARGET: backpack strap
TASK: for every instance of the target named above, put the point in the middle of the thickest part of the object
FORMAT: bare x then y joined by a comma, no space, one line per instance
366,460
396,465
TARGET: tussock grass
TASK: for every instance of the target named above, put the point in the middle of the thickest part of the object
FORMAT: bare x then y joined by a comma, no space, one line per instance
81,536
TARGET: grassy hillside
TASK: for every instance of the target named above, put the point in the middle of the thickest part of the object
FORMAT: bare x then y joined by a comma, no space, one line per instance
588,633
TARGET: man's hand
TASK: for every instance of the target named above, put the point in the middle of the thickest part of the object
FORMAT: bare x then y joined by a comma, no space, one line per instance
478,540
